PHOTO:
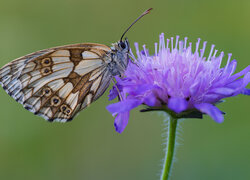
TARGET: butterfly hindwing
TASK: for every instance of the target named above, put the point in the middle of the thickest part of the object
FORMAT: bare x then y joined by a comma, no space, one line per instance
57,83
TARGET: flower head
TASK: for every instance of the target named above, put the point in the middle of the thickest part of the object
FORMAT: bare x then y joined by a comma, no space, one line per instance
177,80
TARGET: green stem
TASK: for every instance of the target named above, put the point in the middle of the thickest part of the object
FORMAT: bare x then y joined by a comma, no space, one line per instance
171,141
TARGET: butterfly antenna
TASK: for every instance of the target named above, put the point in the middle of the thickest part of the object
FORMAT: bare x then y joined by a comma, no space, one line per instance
143,14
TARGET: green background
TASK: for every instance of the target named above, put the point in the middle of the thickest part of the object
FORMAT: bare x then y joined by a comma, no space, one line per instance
88,147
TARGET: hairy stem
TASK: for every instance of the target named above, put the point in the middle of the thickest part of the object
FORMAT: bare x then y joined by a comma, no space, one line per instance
171,141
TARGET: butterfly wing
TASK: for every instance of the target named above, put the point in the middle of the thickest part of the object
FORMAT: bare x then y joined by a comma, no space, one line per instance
57,83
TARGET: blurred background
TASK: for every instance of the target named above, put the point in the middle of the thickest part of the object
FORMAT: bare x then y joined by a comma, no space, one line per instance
88,147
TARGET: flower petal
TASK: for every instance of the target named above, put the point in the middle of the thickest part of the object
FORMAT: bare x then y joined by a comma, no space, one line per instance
231,68
246,91
246,80
141,89
223,91
177,72
123,106
235,84
121,121
113,93
151,100
177,104
211,110
239,74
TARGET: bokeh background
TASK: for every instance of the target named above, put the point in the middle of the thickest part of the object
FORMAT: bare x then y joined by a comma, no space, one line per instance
88,147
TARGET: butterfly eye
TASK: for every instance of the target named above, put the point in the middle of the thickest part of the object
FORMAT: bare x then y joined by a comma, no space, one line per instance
122,45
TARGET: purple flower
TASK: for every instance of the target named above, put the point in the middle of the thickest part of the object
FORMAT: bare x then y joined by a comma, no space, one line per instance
177,80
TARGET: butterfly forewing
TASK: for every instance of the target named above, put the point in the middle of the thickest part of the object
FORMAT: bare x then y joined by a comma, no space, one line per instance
57,83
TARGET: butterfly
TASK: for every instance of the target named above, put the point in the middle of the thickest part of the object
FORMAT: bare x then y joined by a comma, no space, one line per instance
59,82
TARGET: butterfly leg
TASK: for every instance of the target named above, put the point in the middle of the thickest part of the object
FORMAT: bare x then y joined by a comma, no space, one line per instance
119,92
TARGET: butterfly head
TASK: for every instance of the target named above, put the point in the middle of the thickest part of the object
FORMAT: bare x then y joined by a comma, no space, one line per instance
120,50
123,45
119,60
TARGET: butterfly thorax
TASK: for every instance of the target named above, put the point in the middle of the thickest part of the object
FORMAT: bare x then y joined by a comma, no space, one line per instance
119,58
